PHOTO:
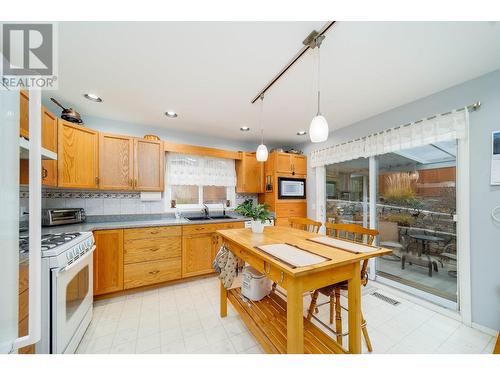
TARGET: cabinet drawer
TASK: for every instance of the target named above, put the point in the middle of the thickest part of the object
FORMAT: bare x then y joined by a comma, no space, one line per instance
208,228
152,249
291,209
153,272
147,233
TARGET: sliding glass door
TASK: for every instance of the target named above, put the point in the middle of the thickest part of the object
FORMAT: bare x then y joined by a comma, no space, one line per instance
416,210
415,214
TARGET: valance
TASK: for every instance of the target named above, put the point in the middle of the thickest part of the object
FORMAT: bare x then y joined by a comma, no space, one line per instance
186,169
448,126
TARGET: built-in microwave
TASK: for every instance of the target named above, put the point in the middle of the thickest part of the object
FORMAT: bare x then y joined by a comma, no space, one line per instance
291,188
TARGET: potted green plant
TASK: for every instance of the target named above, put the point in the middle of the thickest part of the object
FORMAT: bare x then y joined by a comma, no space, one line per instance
258,213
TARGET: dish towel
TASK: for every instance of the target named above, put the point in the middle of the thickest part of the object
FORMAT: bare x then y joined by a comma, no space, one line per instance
227,265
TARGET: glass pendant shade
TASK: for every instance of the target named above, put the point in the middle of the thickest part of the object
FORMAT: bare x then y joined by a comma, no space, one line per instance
262,153
318,130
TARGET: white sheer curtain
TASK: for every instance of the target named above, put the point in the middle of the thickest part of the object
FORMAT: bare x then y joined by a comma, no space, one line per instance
185,169
434,129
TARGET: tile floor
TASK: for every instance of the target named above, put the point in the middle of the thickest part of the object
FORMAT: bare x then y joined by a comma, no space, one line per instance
184,318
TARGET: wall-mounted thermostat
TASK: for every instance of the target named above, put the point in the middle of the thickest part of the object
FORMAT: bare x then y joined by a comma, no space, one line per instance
495,158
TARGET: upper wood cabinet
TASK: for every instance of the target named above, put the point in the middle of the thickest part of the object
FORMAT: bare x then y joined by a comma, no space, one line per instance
49,141
77,156
249,174
24,114
116,162
290,163
108,261
148,165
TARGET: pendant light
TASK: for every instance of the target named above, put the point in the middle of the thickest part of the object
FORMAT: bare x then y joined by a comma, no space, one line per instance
318,130
262,152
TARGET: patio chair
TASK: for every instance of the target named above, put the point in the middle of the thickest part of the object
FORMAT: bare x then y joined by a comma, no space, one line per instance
356,233
389,238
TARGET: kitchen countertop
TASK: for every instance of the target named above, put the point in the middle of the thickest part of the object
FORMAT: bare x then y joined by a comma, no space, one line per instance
129,221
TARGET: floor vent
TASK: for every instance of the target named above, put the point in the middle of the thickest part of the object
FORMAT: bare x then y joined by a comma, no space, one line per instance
385,298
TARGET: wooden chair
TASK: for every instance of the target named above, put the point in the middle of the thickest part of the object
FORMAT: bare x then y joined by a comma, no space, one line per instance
351,232
303,223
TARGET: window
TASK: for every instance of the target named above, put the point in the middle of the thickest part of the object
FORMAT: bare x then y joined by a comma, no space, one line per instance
214,194
196,180
184,194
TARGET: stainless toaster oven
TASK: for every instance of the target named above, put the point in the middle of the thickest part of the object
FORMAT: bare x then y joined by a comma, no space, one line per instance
60,216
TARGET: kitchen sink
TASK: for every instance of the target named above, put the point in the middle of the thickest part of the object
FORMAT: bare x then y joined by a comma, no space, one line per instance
197,218
200,218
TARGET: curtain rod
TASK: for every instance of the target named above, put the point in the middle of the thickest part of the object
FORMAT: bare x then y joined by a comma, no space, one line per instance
471,107
297,56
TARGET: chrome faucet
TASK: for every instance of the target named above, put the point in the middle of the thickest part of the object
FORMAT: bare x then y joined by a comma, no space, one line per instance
206,211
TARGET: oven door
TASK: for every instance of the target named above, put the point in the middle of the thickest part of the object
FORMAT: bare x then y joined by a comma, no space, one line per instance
72,297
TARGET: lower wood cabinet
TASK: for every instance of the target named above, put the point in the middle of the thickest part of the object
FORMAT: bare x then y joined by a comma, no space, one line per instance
108,261
152,272
136,257
199,247
197,253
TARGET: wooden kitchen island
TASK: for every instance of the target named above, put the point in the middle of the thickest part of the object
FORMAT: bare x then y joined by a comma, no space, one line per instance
279,325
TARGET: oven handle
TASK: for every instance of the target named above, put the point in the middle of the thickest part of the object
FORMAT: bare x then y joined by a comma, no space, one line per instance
74,264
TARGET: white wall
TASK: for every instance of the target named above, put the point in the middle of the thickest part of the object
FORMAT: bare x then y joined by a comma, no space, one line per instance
484,233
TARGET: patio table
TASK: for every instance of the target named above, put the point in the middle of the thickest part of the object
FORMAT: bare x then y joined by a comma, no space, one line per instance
425,239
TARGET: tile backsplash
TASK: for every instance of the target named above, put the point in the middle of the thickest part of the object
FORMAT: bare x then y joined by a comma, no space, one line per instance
102,202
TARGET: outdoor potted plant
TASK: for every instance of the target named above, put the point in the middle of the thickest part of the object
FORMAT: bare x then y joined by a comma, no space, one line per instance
258,213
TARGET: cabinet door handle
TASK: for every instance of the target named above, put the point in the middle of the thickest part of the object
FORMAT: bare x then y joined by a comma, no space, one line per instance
154,232
97,180
44,173
135,183
131,182
155,249
154,272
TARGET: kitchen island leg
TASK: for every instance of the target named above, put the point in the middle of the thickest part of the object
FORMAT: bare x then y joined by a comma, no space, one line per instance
354,306
294,319
223,300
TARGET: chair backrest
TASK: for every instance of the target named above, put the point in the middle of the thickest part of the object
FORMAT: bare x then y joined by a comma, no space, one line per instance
353,232
304,223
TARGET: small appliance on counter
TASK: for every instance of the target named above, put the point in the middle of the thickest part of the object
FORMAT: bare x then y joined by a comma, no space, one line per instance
255,285
62,216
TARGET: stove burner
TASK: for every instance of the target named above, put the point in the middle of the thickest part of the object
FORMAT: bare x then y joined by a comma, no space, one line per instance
49,241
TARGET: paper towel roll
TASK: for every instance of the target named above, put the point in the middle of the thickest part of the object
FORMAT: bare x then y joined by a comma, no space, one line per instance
150,196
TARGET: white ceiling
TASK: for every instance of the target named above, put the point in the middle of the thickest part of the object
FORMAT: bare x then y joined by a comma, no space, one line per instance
209,71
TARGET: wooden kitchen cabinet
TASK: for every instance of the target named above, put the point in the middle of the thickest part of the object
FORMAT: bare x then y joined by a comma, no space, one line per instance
108,261
77,156
152,255
116,162
24,114
199,247
197,251
148,165
289,163
49,141
249,174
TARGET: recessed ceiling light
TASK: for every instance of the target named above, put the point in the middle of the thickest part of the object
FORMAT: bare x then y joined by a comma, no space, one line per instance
93,97
171,114
244,128
301,132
